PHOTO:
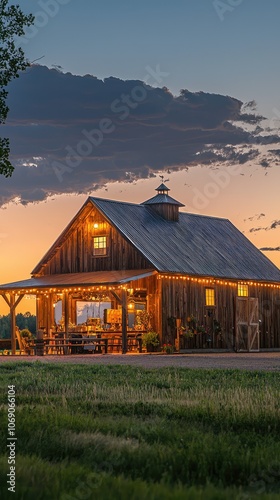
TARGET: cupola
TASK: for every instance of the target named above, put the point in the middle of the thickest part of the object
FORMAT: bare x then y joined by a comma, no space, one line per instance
164,205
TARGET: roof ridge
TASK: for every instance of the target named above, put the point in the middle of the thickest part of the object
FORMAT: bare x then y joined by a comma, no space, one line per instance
205,216
115,201
142,205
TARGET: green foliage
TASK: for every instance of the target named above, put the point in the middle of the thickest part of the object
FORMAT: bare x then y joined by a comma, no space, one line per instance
168,348
26,334
150,338
216,326
12,60
26,320
121,432
193,327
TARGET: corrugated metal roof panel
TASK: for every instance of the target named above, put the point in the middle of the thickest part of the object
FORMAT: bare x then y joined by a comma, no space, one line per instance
79,279
196,245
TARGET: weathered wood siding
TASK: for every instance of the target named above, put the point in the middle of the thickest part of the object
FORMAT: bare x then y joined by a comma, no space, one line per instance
182,298
76,253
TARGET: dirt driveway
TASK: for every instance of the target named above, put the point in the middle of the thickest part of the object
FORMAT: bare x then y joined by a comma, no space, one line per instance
269,361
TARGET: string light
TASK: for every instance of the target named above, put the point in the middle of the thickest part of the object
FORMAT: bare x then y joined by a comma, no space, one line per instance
60,290
214,281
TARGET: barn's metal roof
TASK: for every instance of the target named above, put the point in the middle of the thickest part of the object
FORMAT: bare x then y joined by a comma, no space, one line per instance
196,245
78,279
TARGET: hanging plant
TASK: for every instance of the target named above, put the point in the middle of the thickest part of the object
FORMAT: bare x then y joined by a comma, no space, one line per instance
171,321
217,327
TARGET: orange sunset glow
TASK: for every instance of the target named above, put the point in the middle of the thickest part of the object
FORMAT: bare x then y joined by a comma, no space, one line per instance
28,232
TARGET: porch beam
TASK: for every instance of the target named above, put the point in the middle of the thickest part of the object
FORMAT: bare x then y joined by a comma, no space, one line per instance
117,297
19,299
5,298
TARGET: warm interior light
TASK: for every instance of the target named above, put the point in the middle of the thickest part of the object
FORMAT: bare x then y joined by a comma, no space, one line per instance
95,225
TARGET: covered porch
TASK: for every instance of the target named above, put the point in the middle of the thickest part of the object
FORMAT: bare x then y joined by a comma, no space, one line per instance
106,311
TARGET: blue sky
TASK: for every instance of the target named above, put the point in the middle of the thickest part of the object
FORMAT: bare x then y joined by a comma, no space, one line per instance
235,53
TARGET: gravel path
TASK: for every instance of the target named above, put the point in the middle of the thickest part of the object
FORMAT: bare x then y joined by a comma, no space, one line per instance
269,361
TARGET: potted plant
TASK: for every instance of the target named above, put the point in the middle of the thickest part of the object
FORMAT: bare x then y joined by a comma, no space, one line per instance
143,320
26,334
168,348
27,338
188,334
150,340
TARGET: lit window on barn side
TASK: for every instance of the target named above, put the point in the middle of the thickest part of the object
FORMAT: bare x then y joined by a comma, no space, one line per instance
243,290
210,297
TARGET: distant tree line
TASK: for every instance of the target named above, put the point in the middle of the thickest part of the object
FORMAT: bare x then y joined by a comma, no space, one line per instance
26,320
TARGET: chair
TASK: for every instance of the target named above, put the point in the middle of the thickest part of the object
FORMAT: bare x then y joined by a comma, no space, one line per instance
24,347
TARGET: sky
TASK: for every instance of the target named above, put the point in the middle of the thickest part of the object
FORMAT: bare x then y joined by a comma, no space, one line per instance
120,93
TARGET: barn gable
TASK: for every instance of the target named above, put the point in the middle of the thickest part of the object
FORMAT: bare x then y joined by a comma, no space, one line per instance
90,243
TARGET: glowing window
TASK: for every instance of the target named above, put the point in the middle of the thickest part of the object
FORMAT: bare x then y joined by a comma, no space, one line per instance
99,245
210,296
243,290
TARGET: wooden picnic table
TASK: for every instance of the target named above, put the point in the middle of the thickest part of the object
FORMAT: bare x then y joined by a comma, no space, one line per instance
98,341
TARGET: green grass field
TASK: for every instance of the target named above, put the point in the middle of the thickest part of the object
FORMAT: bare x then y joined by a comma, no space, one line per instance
115,432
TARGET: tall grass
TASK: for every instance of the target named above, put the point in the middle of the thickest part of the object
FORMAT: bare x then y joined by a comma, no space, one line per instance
122,432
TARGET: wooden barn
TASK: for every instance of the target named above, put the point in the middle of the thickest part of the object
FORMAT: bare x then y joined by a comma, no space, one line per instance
119,269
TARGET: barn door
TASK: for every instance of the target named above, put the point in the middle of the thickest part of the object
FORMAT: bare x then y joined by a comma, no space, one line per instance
241,343
253,327
247,324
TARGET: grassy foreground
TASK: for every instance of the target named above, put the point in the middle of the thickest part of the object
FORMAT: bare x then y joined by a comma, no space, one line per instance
117,432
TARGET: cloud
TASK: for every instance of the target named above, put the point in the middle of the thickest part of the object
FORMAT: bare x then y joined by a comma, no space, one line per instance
256,229
275,152
255,217
274,224
73,134
270,249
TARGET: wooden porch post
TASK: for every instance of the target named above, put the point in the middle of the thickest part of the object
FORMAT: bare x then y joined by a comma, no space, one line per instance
37,313
13,323
124,321
66,313
51,312
12,303
49,318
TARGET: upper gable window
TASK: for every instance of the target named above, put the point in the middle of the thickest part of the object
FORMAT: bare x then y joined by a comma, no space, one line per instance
99,246
242,290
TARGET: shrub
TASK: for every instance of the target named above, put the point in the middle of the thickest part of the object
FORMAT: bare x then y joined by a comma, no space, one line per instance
150,338
26,334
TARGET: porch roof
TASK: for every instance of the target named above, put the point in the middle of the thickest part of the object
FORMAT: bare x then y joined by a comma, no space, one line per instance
78,279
